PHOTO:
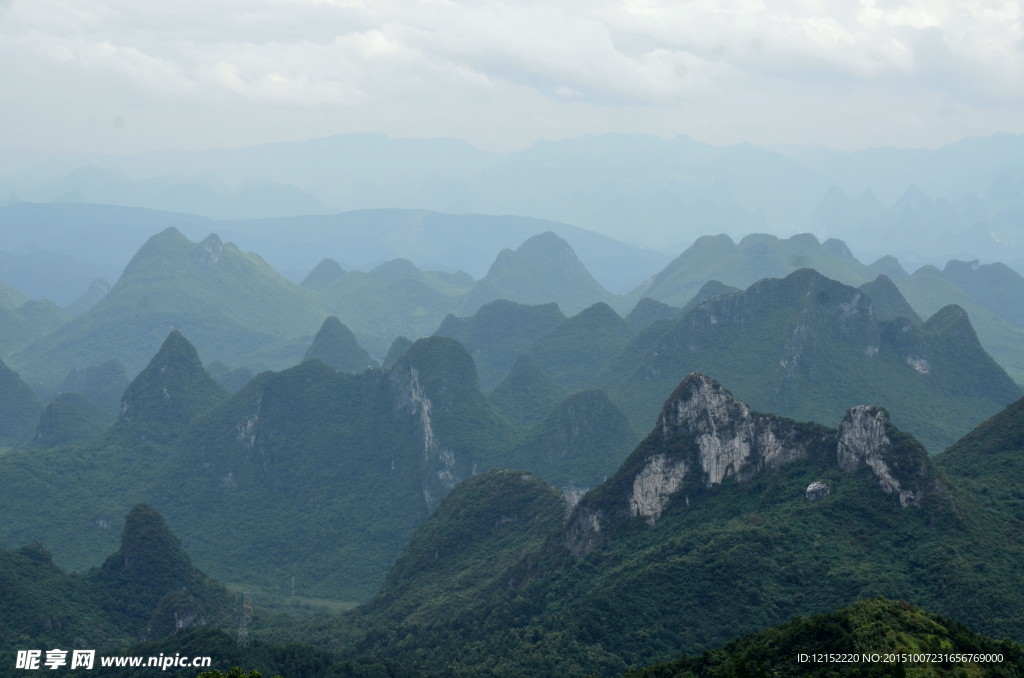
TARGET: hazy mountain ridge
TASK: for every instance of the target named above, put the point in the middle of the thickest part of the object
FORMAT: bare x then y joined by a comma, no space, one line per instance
77,243
230,301
775,511
805,344
602,182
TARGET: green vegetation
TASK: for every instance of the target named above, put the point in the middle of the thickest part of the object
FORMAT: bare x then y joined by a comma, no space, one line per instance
989,461
543,269
102,385
809,348
336,346
526,395
579,444
929,290
887,302
499,332
19,408
310,465
173,389
739,265
69,419
149,588
711,290
228,302
391,301
648,311
995,286
870,627
574,351
398,348
22,321
734,557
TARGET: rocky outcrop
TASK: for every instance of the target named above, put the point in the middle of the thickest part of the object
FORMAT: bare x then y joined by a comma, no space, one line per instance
817,490
654,486
730,440
705,437
437,461
864,439
209,251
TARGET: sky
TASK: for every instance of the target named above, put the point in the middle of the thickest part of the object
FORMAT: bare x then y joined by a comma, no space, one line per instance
123,76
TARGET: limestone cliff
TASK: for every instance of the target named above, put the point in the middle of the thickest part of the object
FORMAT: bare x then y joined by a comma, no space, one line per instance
705,437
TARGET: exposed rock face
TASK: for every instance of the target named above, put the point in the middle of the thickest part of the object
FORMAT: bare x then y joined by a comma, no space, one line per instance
705,436
583,531
209,251
730,439
817,490
863,438
437,462
655,485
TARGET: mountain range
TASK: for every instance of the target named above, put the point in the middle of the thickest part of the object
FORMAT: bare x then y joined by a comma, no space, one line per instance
958,201
723,520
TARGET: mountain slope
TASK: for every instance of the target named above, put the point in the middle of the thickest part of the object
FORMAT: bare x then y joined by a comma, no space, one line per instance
526,395
928,290
887,302
808,347
579,443
354,461
990,460
147,589
165,396
22,321
19,408
723,521
996,286
335,345
755,257
390,301
228,302
860,630
543,269
574,351
69,419
69,498
499,332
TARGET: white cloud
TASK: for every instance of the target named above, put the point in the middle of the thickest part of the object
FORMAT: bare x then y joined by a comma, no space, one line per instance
603,56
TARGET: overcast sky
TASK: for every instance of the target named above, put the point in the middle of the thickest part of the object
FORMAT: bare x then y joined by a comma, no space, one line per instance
124,75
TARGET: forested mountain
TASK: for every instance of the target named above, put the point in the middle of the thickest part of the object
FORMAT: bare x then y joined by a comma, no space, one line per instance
722,521
230,302
574,350
982,291
913,641
742,264
808,347
483,490
499,332
526,395
19,408
24,320
543,269
354,460
335,345
148,589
